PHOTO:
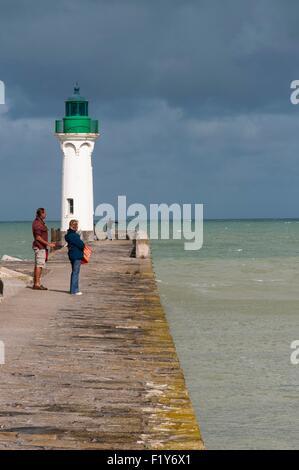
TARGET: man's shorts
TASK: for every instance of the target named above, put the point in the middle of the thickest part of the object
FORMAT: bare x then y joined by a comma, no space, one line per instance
40,258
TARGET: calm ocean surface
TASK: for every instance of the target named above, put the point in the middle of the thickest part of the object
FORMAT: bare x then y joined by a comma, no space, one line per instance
233,308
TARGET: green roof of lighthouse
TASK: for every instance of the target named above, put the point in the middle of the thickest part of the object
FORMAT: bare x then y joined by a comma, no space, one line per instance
76,120
76,95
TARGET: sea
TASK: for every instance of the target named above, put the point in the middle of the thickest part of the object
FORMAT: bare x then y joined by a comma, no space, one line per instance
233,311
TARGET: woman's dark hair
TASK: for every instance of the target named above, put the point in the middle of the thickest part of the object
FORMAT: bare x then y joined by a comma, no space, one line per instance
40,211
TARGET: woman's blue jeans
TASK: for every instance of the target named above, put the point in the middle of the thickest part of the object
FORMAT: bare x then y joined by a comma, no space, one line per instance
76,265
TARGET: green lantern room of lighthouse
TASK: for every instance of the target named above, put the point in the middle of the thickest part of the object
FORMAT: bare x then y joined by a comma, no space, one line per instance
76,120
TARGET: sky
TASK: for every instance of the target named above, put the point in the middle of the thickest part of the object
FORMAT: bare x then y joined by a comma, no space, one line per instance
192,96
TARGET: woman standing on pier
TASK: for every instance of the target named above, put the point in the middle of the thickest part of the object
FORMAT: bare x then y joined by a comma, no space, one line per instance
75,252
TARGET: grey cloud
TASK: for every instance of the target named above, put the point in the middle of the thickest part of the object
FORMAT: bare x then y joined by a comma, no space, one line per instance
192,97
205,56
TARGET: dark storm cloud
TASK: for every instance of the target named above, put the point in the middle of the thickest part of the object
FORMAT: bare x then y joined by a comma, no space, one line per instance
192,96
204,56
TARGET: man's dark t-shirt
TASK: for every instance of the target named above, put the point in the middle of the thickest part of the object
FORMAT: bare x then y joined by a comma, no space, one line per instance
39,228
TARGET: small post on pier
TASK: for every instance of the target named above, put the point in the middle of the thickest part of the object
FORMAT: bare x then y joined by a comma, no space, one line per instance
56,237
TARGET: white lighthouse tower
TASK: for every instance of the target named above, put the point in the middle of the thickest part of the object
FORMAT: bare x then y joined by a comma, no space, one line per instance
77,134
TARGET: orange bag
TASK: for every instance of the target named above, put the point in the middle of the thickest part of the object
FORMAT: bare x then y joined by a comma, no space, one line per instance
86,254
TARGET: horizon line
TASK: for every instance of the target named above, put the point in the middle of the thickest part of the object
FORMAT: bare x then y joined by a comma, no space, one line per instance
208,219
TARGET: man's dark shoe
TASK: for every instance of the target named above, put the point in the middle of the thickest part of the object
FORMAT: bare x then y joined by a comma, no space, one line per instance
39,288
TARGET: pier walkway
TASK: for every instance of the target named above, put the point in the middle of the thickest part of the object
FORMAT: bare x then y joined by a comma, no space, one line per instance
98,371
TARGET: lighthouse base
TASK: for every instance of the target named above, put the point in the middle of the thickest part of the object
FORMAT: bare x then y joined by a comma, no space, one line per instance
88,236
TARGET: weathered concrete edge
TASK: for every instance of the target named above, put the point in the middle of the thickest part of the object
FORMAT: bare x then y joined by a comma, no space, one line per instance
147,270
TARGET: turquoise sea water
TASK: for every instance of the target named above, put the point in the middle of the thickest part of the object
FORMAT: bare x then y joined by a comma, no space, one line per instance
233,309
16,238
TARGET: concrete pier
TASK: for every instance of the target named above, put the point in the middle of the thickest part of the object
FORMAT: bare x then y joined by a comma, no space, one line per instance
93,372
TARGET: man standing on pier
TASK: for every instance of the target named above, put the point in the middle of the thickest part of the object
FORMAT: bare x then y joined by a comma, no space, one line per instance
40,246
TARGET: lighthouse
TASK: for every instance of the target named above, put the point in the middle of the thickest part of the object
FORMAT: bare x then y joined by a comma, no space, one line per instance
77,134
